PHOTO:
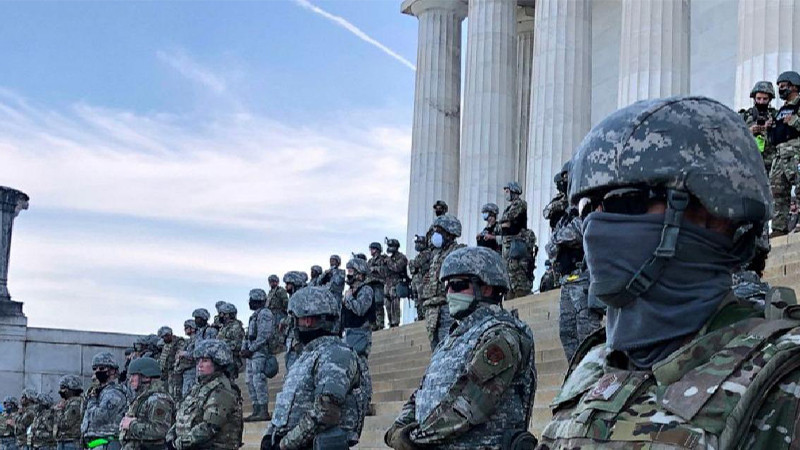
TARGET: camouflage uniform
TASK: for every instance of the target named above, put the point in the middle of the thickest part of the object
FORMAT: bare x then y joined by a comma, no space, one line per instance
67,428
293,345
396,273
40,434
747,285
152,411
24,417
334,278
167,359
358,312
319,393
232,333
211,414
7,439
479,386
520,269
259,335
278,304
783,174
419,267
378,271
186,363
104,407
752,116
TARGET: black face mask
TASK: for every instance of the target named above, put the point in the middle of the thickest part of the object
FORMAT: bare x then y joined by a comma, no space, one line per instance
64,393
307,336
200,322
102,376
783,93
761,107
255,305
350,279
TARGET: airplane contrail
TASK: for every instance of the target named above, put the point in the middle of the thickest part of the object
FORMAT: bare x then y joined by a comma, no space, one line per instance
342,22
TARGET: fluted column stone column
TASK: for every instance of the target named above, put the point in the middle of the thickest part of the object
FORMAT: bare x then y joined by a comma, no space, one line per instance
437,111
769,43
489,135
525,22
654,50
560,101
12,202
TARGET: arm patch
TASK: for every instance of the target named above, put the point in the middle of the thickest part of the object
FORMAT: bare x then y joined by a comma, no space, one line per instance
495,354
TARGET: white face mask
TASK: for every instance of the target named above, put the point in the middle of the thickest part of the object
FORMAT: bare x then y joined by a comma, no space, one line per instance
437,240
485,216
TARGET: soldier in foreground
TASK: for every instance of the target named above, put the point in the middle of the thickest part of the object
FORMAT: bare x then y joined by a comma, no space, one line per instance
40,433
685,363
358,312
7,439
256,350
396,274
319,403
478,389
104,406
150,414
25,416
231,332
210,417
785,136
67,426
333,278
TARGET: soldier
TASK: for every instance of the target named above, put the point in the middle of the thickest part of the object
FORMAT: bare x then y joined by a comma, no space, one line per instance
184,365
316,276
334,277
478,390
7,439
67,413
186,361
277,298
396,274
231,332
419,267
548,281
440,208
319,403
686,364
104,406
559,204
378,271
210,417
760,118
256,350
785,136
294,281
447,229
491,235
519,243
25,416
168,355
40,433
150,414
204,331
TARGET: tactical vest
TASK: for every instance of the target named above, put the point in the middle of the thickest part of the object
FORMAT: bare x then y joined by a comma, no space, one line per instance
704,395
137,411
252,332
449,364
109,423
63,429
192,409
781,132
40,433
352,320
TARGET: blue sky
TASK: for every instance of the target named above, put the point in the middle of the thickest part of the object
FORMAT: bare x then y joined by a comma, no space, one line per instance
176,153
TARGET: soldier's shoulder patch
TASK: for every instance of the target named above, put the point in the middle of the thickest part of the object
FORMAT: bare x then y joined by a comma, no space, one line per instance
494,354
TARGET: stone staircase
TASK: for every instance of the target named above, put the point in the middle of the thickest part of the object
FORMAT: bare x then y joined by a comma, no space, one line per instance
400,355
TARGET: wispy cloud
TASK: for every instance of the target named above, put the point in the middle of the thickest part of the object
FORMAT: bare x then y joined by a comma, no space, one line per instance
344,23
189,68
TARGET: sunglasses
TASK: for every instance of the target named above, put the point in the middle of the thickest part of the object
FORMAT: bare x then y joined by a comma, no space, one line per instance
629,200
458,285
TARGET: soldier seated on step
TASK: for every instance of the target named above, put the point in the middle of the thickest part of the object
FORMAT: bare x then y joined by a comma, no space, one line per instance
663,186
478,390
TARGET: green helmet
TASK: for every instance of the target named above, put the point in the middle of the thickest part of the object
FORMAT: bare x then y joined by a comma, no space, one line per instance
358,265
791,76
145,366
214,349
71,382
765,87
490,208
448,223
104,359
478,262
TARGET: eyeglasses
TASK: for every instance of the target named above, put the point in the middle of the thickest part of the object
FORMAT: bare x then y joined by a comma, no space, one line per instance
458,285
629,200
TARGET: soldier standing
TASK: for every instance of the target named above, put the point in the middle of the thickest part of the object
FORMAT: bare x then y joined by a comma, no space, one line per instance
478,390
168,356
150,414
40,433
557,207
446,229
319,404
396,273
278,304
518,242
210,416
785,136
186,361
67,413
334,277
294,281
760,117
184,365
231,332
7,439
256,350
104,406
491,235
377,279
419,267
25,416
316,276
685,363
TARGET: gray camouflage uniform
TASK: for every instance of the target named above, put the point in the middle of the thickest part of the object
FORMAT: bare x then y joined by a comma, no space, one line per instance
103,410
259,333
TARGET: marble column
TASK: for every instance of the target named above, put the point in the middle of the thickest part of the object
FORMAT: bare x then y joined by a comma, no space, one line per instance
489,135
11,203
561,96
437,111
525,19
654,50
769,43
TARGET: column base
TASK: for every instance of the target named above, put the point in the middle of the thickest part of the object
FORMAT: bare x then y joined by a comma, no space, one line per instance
10,308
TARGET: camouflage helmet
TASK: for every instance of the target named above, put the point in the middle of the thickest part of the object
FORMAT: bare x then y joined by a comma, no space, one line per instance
163,331
358,265
218,305
9,400
201,313
448,223
765,87
480,262
314,301
336,258
29,394
360,256
376,246
442,204
513,187
296,278
654,143
258,295
71,382
145,366
228,308
104,359
190,324
214,349
45,399
564,172
791,76
316,269
392,243
490,208
273,279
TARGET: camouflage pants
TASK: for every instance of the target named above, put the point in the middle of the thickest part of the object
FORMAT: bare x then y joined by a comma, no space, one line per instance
175,386
437,323
68,445
189,380
8,443
782,177
417,289
257,379
392,307
518,274
576,320
380,316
